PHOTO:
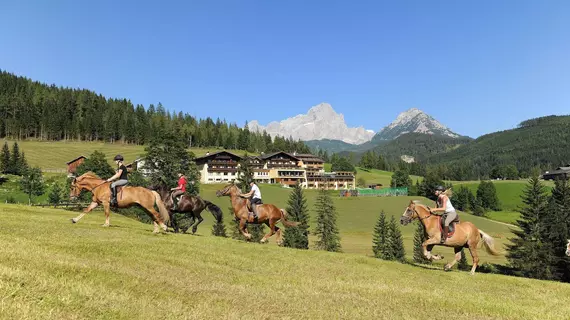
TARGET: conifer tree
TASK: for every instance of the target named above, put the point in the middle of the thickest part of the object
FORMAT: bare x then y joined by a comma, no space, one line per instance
55,194
219,229
396,250
297,237
529,253
557,228
419,238
379,240
325,228
15,163
5,163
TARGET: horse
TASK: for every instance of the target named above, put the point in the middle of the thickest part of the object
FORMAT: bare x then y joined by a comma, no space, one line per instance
464,235
266,213
568,248
191,206
126,197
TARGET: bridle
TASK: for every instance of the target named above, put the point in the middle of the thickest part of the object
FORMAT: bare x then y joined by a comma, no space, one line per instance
418,215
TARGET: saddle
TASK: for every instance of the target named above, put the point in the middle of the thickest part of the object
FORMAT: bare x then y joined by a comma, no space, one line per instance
119,192
250,209
451,225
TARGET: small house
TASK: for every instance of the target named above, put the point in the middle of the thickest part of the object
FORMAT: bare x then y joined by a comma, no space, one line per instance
558,173
73,164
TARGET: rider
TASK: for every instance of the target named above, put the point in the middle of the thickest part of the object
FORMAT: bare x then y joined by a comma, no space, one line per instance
179,190
255,195
444,205
121,175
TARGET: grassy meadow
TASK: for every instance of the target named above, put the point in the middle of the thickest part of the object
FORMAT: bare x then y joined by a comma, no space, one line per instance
53,269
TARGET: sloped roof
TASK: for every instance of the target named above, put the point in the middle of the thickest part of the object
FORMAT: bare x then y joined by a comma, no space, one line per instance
72,161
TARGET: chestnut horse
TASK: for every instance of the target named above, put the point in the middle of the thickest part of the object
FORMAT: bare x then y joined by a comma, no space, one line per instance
190,206
126,197
466,235
568,248
266,213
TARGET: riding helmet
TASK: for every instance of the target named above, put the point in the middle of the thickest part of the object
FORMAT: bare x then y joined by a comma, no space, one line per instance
118,158
439,188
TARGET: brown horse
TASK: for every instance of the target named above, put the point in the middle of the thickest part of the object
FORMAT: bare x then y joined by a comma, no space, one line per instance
126,197
465,235
191,206
568,248
266,213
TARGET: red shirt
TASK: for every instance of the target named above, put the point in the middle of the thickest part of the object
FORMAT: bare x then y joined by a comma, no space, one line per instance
182,183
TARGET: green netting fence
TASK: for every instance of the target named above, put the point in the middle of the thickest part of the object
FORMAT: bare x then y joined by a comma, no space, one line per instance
385,192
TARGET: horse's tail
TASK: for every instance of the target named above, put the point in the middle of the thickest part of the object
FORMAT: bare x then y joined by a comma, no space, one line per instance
215,210
161,207
286,222
489,243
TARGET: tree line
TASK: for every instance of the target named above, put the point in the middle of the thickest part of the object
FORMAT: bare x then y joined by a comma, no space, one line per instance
30,109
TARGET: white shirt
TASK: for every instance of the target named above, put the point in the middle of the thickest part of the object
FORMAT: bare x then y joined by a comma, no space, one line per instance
256,192
448,207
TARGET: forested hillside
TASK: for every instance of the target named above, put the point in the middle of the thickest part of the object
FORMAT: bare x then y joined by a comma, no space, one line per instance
541,143
33,110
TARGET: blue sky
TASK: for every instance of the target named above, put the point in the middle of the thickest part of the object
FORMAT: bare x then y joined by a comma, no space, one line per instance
477,67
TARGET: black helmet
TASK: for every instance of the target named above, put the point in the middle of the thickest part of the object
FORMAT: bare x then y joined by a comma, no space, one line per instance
439,188
118,157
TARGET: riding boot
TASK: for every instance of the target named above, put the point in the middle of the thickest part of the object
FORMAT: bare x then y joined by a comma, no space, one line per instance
174,204
113,196
444,235
254,210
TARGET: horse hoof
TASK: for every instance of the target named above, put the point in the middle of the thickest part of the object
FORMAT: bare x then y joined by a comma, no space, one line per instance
104,225
447,268
73,220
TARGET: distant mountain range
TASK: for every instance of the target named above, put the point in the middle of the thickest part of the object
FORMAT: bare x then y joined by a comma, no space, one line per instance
321,122
323,128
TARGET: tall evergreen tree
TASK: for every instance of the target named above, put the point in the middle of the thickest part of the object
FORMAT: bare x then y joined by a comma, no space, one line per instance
529,253
297,237
15,163
32,183
396,250
326,230
487,193
55,195
557,228
380,234
400,179
419,238
461,198
219,229
5,163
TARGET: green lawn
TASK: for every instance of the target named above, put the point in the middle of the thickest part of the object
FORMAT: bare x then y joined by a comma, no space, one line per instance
54,155
52,269
374,176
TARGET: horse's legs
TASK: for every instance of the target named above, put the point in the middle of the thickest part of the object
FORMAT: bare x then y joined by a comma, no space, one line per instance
271,225
457,258
198,215
279,236
475,256
92,206
107,208
427,254
242,223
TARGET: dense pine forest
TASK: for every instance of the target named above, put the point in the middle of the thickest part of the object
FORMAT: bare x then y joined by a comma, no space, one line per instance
535,145
33,110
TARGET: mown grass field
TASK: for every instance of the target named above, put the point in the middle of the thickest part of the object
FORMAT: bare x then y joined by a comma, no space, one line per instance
54,155
374,176
52,269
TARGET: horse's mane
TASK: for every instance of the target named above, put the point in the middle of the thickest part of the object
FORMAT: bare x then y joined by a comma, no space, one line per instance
90,174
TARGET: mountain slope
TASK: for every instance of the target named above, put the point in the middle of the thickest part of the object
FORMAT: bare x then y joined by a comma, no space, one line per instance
419,145
413,120
321,122
541,142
